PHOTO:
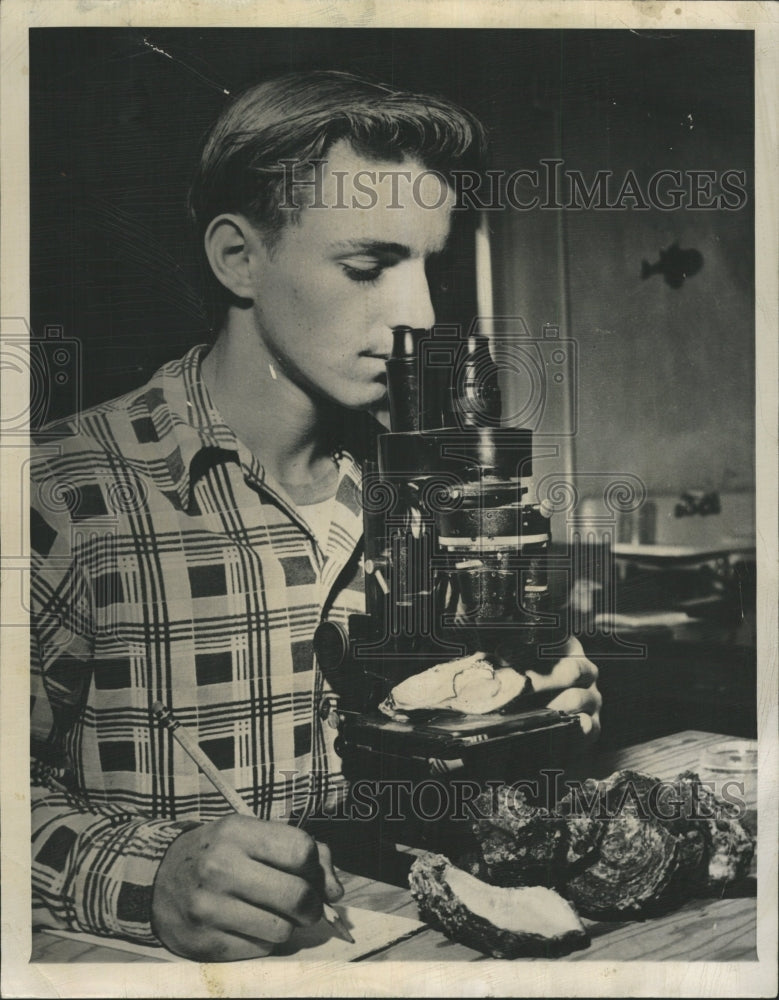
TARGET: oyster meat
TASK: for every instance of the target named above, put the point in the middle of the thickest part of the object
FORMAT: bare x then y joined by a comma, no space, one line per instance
471,685
504,922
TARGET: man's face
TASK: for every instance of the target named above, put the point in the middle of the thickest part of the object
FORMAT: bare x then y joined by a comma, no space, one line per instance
340,279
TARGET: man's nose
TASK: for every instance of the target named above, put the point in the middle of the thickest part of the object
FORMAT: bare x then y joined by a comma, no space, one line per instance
410,303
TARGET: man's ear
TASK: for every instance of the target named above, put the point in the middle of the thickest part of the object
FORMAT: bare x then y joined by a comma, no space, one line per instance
230,245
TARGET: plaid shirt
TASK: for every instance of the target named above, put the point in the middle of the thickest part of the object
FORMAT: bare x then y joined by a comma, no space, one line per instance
167,566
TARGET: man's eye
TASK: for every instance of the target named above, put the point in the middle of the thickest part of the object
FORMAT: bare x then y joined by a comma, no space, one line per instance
366,274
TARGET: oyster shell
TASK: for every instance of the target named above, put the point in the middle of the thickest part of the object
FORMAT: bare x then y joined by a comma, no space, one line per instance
506,923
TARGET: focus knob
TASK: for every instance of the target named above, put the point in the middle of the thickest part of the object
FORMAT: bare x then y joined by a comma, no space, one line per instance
331,645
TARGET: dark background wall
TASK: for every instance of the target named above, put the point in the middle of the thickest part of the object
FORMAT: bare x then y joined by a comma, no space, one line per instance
665,377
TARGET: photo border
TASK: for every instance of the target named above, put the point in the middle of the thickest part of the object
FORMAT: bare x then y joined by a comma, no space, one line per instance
307,978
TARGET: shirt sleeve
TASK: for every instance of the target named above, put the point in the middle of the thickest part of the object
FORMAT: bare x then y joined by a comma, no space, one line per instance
93,863
93,869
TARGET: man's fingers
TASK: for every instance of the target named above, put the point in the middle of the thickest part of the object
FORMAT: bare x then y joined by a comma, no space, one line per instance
235,917
228,872
275,844
333,888
297,853
590,726
292,851
578,700
571,671
575,677
584,702
290,896
573,646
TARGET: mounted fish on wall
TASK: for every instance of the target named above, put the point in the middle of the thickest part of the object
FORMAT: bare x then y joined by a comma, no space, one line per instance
675,265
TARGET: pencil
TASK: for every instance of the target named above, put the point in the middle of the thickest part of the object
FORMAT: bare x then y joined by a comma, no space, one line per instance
185,740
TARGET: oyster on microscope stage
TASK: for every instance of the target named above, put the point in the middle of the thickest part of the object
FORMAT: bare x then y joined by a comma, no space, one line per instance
471,685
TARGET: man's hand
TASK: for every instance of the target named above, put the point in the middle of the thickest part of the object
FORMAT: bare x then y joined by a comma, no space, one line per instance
236,887
575,677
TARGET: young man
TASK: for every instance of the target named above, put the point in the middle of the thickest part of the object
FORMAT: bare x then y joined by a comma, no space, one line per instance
189,537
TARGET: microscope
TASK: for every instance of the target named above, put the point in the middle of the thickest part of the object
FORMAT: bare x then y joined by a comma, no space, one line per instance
455,563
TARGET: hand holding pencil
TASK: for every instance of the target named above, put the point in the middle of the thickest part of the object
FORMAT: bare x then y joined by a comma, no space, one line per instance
236,887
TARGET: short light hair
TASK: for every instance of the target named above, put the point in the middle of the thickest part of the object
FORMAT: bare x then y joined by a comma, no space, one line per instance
299,117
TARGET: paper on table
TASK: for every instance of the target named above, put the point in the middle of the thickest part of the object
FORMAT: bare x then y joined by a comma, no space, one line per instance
370,931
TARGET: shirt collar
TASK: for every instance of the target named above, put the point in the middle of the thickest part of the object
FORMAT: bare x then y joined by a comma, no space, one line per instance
183,412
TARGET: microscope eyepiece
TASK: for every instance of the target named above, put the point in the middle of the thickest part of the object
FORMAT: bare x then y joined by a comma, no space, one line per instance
405,341
404,387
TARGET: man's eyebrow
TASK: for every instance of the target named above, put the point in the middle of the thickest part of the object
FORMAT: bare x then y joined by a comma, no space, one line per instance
399,250
372,246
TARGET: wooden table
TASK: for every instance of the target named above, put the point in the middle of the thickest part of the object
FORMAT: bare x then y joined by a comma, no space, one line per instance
721,930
